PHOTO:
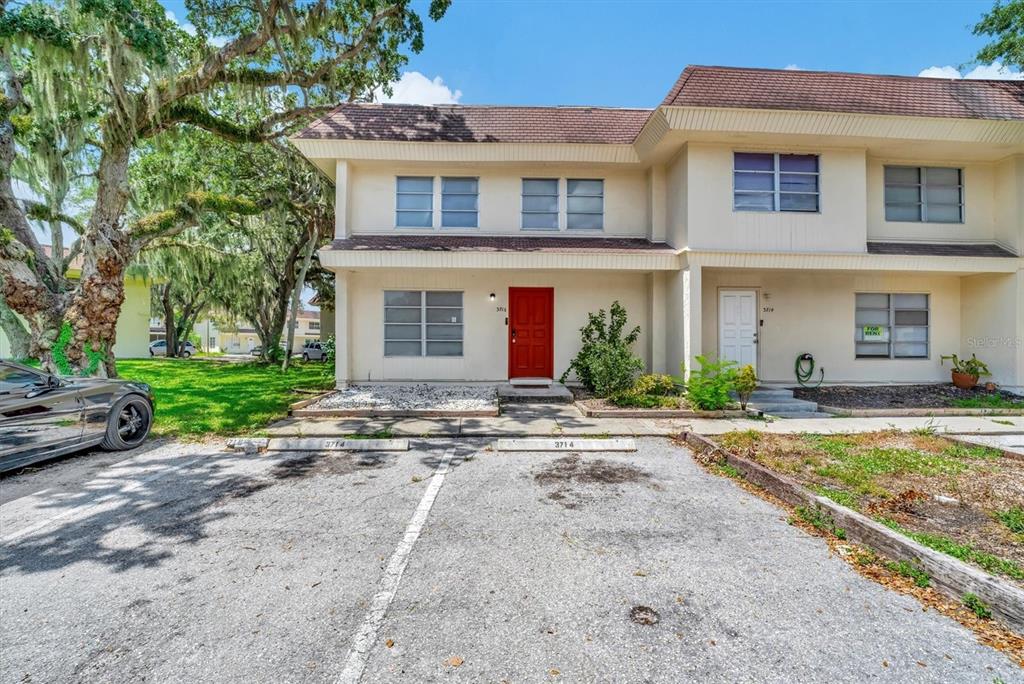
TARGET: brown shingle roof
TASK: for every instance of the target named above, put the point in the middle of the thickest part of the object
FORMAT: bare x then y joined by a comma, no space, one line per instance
939,249
479,124
486,243
824,91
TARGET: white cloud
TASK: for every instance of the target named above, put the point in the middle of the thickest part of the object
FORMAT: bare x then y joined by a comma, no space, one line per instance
995,71
793,67
415,88
186,27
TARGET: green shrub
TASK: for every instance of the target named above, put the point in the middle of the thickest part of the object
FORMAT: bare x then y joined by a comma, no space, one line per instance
746,383
651,401
605,365
708,387
655,384
329,349
612,368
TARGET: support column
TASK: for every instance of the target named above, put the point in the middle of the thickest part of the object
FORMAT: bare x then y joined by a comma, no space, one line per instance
657,328
657,204
692,309
341,228
342,363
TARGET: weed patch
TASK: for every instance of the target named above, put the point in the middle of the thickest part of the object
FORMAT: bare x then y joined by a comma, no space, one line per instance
964,552
1013,518
910,571
820,520
977,606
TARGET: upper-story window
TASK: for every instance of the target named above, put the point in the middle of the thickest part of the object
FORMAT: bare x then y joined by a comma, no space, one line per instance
314,325
932,194
540,203
585,204
459,202
414,202
763,181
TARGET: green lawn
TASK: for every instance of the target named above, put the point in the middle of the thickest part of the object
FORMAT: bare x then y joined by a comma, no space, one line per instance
196,397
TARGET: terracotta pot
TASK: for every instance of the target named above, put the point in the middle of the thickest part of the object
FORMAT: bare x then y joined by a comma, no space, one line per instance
964,381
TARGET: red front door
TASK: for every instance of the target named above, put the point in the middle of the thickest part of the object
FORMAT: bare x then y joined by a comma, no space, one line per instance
531,332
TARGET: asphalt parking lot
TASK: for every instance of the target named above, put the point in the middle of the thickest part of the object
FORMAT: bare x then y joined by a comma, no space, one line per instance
446,562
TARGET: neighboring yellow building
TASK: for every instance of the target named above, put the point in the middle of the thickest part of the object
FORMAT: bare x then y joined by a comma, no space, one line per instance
243,339
875,222
132,324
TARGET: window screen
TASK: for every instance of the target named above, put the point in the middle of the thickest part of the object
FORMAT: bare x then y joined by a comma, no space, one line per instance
764,181
540,203
891,326
414,201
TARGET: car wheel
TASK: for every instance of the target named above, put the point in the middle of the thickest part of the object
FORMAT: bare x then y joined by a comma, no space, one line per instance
305,357
129,423
186,354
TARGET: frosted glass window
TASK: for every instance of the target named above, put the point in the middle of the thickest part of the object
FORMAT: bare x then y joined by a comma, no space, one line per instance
764,181
930,194
891,326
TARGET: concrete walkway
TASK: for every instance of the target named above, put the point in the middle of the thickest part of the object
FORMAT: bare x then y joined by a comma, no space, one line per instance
548,420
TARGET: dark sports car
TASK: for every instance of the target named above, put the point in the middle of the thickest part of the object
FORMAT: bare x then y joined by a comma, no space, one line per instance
44,415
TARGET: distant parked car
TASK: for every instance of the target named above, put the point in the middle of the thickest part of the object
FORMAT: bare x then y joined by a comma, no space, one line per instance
44,415
313,351
159,348
256,351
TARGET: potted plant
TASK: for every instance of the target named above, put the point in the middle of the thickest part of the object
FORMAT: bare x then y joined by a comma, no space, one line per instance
966,371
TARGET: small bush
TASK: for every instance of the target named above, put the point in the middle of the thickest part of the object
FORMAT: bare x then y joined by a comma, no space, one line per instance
630,400
605,363
655,384
977,606
709,386
746,383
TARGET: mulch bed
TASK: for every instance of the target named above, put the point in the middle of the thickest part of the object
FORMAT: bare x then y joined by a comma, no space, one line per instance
894,396
924,483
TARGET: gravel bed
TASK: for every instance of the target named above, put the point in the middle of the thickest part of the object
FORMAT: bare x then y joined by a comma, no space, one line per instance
412,397
894,396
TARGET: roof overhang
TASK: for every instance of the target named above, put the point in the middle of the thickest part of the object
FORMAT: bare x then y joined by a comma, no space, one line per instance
324,153
861,261
581,261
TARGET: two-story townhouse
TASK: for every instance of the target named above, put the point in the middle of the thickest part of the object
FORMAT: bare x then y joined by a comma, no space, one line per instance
876,222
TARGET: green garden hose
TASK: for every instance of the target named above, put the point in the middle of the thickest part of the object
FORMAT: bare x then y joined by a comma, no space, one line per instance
804,370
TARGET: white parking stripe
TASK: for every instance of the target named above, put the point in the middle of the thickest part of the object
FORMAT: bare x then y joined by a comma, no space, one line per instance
366,637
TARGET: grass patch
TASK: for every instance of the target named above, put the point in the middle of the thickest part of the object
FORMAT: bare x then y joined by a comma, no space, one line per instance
819,519
995,401
729,471
1013,518
964,552
977,606
195,397
841,497
911,571
379,434
1002,421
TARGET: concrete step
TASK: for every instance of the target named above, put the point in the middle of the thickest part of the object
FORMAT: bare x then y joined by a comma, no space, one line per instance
791,405
555,393
801,414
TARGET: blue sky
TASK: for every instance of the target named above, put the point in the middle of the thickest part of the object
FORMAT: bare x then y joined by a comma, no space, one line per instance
628,53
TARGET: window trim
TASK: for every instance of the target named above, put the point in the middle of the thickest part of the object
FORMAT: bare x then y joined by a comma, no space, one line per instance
475,211
558,203
584,213
422,340
922,194
398,211
891,356
777,190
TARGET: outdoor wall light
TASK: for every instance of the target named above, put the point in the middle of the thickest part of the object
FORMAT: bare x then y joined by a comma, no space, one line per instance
492,297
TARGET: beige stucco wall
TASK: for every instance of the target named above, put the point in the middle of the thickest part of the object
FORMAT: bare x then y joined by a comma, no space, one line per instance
814,312
371,197
1009,204
485,333
979,181
713,224
132,324
675,198
992,324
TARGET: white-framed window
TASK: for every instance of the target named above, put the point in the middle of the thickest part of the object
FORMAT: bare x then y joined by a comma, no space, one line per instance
891,326
314,325
766,181
459,202
584,204
422,323
540,204
414,201
926,194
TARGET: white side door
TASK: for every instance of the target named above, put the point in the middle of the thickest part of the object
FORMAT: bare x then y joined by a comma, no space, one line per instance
737,326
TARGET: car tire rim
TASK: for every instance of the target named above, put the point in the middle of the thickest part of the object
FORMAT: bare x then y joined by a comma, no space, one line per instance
131,422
